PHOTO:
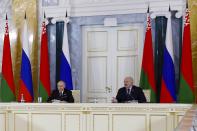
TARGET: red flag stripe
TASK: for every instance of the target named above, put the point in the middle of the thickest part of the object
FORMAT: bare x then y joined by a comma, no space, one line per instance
186,61
7,61
23,90
44,61
167,98
148,56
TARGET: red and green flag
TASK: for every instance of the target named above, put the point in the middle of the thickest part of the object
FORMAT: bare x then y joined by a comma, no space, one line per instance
147,78
7,89
44,84
186,89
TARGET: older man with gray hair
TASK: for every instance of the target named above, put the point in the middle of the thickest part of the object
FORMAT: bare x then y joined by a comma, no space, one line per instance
130,92
61,94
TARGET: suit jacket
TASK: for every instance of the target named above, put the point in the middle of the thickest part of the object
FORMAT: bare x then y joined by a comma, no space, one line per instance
136,93
66,96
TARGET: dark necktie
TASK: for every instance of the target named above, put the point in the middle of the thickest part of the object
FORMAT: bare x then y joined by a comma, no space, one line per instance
128,91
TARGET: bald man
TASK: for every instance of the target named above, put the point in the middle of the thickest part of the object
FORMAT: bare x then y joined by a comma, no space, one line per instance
61,93
130,92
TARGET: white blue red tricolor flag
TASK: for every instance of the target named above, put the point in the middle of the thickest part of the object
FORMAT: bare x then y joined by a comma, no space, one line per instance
65,66
168,92
26,85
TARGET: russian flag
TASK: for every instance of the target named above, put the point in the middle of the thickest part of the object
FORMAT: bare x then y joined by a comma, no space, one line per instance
65,66
26,85
168,93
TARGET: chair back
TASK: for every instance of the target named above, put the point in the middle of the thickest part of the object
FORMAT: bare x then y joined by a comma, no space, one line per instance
147,94
76,95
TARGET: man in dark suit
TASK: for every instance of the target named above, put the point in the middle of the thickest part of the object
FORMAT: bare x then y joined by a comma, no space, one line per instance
61,94
130,92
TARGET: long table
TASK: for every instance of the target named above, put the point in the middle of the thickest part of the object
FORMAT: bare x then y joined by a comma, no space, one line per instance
90,116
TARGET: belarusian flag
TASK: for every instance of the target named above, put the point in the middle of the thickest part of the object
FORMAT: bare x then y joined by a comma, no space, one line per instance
44,84
7,89
186,89
147,79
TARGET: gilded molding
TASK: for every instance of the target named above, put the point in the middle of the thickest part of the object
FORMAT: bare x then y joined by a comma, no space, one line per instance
19,7
193,26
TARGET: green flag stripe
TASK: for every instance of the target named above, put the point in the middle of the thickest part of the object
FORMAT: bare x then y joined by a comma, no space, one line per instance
185,93
42,92
144,83
6,94
152,96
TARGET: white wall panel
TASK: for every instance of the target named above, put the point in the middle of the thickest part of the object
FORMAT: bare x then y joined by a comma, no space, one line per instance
156,121
100,122
127,40
97,40
46,122
2,122
21,122
97,71
72,122
129,122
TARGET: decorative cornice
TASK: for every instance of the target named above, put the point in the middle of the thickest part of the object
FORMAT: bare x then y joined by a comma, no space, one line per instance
113,7
167,14
56,19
